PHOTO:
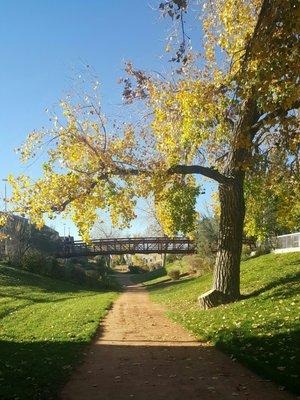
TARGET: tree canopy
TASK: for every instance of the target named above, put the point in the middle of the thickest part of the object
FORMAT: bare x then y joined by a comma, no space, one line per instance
229,113
232,107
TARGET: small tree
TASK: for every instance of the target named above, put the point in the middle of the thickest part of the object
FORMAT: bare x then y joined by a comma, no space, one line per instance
18,240
154,227
206,234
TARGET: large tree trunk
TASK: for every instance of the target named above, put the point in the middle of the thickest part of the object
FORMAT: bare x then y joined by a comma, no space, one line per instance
226,284
227,268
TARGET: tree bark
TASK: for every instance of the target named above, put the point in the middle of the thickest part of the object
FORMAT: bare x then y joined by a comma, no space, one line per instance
227,269
226,283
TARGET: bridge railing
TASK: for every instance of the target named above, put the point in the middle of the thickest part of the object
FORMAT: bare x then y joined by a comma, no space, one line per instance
130,246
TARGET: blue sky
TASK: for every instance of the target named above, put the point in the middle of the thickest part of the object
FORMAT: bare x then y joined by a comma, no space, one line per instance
44,43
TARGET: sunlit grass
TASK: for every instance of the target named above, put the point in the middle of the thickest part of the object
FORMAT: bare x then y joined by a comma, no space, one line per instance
44,327
262,330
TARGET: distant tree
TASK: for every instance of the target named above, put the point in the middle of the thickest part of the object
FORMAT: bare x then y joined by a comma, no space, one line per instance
272,199
153,225
102,230
18,238
206,235
3,221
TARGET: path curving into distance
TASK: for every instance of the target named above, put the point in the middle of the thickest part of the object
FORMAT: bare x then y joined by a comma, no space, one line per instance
140,354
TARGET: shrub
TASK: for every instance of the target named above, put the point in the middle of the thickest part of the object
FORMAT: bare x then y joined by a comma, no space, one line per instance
147,267
68,267
101,269
100,260
53,268
34,261
107,283
263,249
151,267
174,274
170,258
156,265
74,270
198,264
91,273
74,273
134,269
78,275
92,277
246,252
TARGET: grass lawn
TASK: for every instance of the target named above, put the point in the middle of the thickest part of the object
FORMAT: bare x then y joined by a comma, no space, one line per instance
44,325
262,331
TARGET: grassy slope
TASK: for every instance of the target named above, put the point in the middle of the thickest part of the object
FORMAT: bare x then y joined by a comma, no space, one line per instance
149,276
262,330
44,325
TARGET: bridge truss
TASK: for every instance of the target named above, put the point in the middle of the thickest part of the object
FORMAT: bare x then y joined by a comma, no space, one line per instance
146,245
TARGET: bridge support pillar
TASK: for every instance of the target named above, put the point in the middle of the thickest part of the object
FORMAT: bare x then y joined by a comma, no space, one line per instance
164,260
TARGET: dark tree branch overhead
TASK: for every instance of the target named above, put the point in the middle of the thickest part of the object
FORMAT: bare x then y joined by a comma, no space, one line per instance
209,172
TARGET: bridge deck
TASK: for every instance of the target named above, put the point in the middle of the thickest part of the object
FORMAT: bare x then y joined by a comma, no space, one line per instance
118,246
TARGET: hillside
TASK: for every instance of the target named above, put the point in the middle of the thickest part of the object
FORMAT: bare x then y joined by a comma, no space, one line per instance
262,330
45,324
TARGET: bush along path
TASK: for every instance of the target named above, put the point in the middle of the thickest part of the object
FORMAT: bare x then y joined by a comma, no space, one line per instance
141,354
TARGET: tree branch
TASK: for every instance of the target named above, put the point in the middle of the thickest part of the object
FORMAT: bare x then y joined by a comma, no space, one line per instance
209,172
276,113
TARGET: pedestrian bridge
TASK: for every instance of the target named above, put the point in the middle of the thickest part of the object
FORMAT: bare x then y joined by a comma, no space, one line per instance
144,245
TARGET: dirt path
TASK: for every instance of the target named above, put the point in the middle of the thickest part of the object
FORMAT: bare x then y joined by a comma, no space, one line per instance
140,354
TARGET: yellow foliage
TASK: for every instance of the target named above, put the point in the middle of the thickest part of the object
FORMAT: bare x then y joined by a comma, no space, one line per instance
251,56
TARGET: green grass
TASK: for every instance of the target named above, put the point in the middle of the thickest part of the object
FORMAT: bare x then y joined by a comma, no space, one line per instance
262,330
44,326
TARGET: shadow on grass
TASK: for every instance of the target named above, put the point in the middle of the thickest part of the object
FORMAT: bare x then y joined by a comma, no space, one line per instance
273,357
284,287
38,370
